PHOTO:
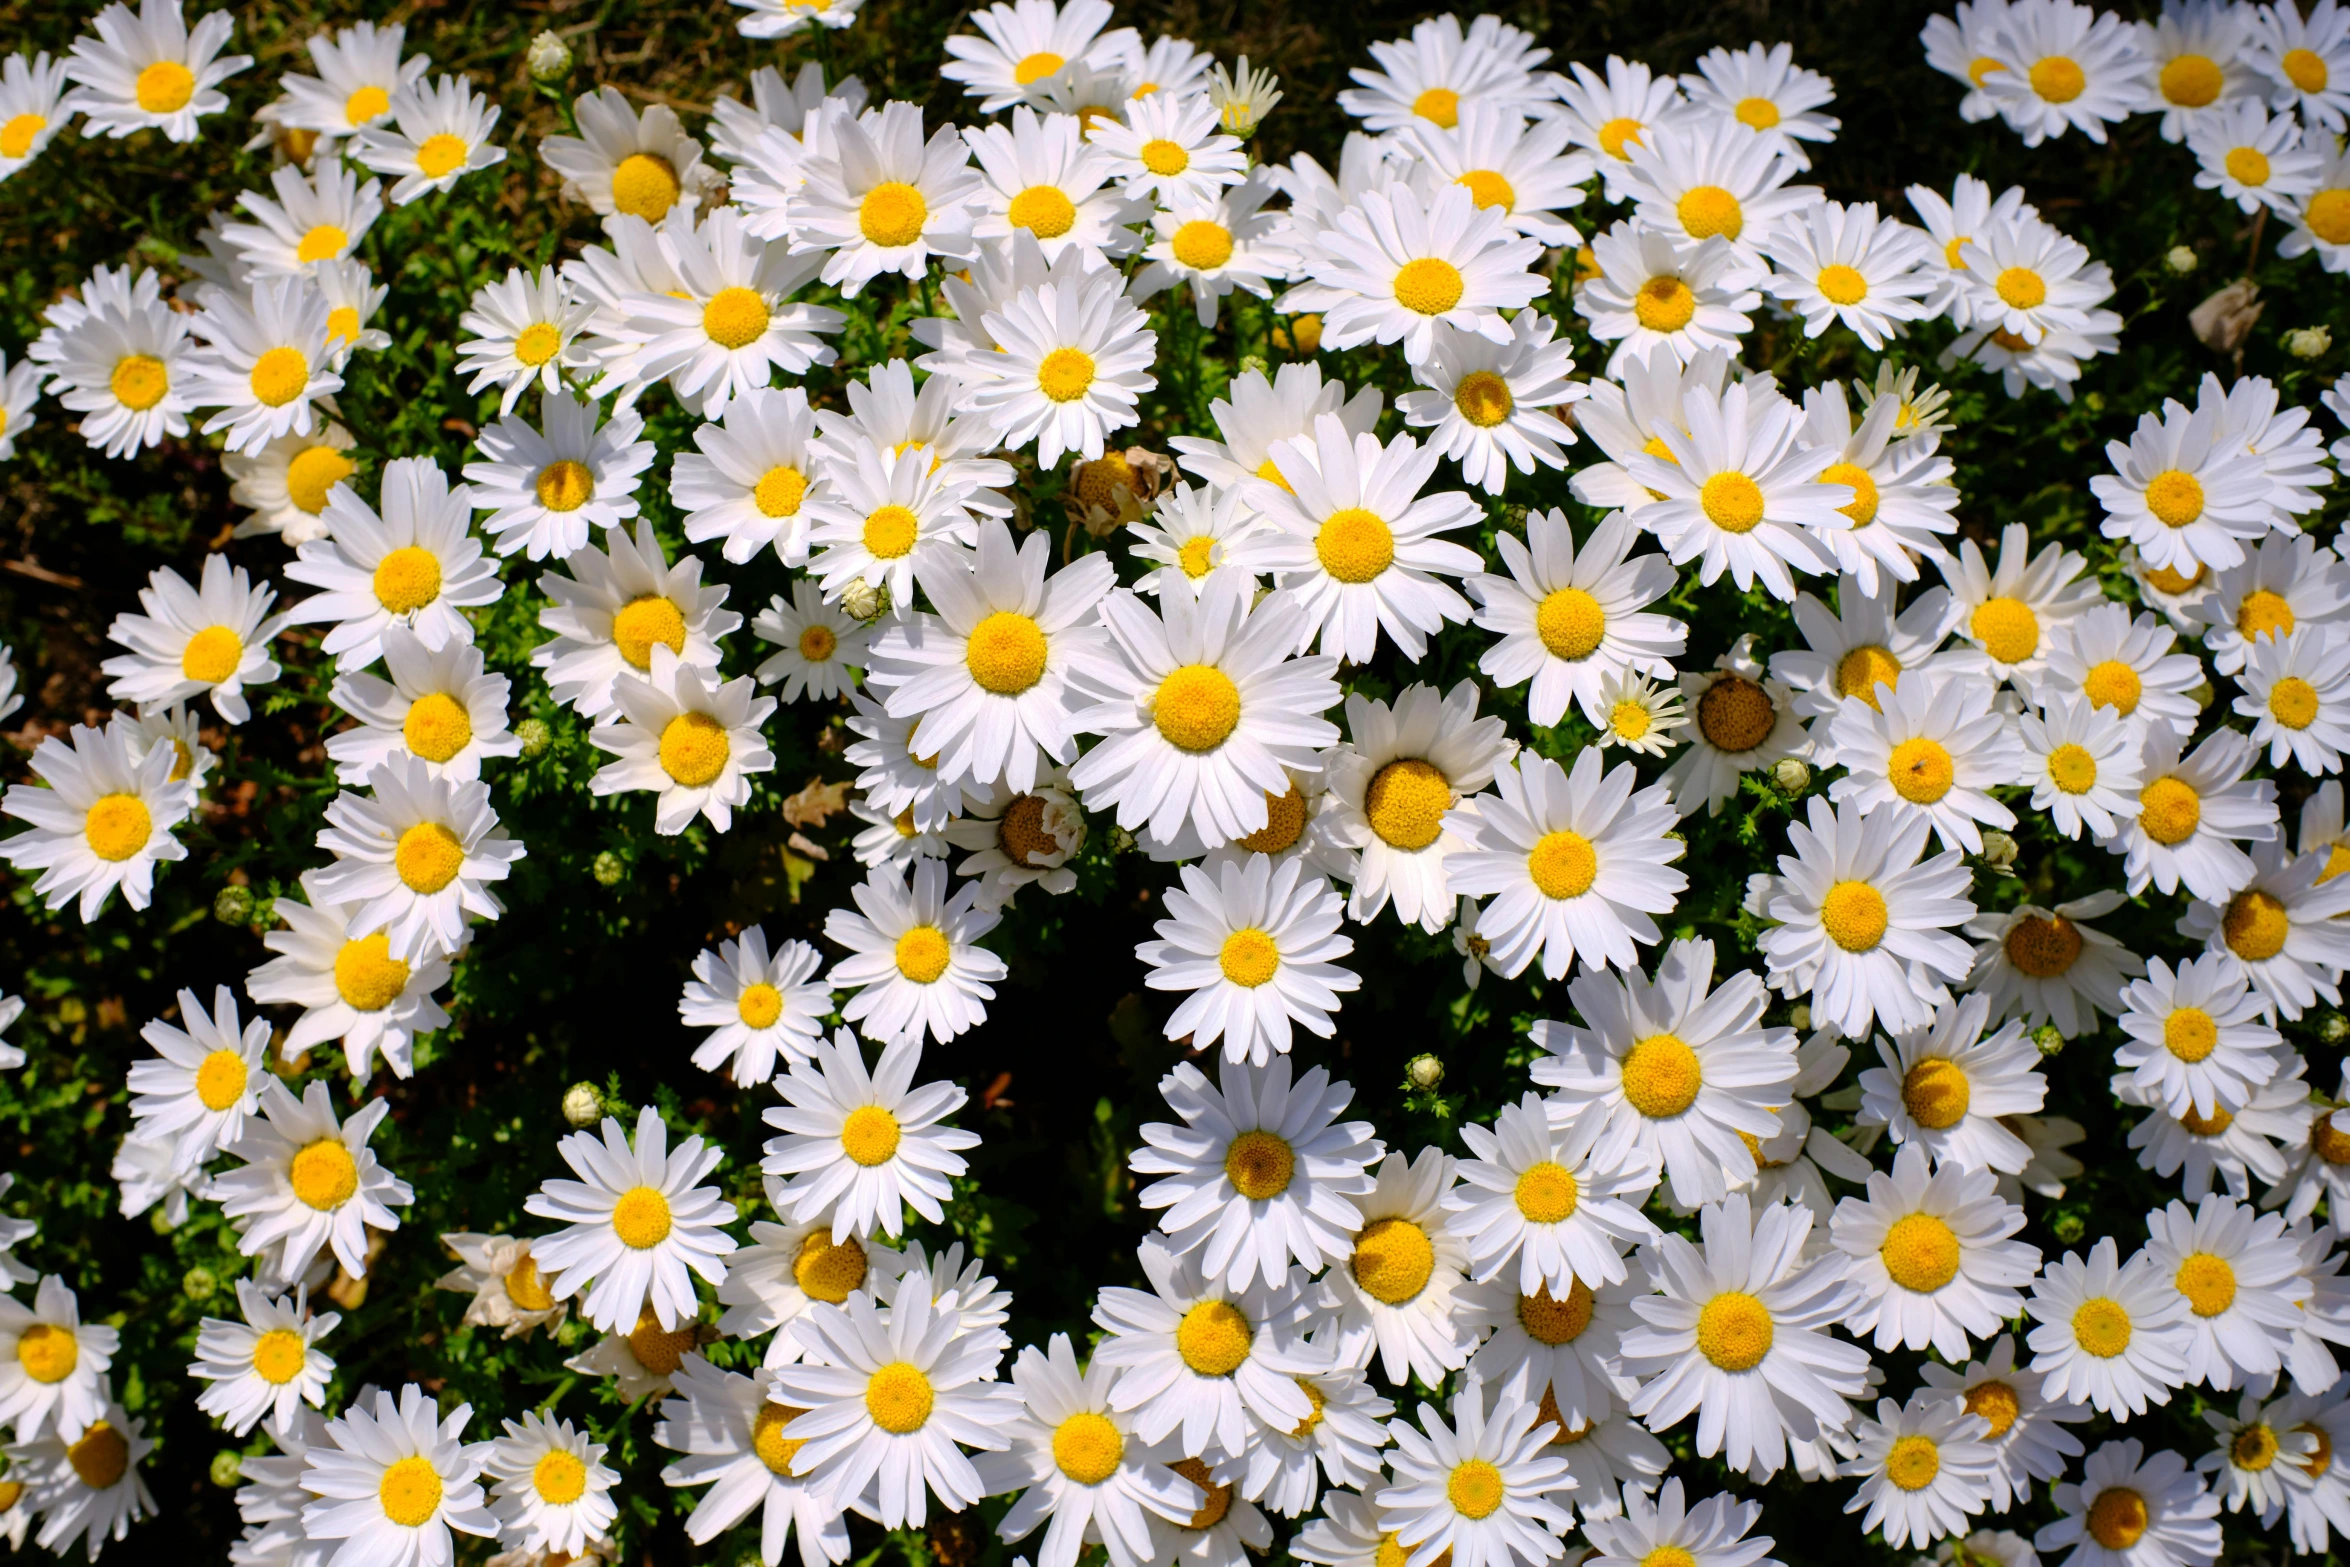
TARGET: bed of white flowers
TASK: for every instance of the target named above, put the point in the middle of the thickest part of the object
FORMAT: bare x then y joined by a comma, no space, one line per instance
1748,1206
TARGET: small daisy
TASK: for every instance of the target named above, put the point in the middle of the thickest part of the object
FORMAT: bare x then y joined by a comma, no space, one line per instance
1044,177
1859,646
1765,91
2191,814
816,645
1524,171
1560,1201
1932,1257
1706,176
416,564
1261,413
288,482
523,329
417,857
1866,922
353,992
1214,247
862,1147
883,514
1253,943
265,362
443,708
1478,1490
751,480
1924,1467
1929,750
2233,1146
211,640
631,1244
309,1183
509,1291
1641,717
2256,161
30,114
2285,927
267,1365
1656,291
2131,1508
90,1488
615,608
1488,401
545,492
1403,1290
2082,762
1739,1336
551,1489
2289,583
757,1007
1714,1533
1946,1086
1187,538
1394,789
2049,965
692,740
1844,265
624,162
2240,1277
99,819
122,359
1018,840
2110,1334
912,958
204,1080
1171,151
53,1365
396,1479
2066,67
1740,492
147,69
729,324
2026,1428
434,133
1610,115
2248,1448
1399,265
1744,723
2297,691
2125,665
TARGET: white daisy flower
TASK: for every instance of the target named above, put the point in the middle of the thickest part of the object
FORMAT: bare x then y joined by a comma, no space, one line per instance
1020,839
1525,171
309,223
1398,265
691,739
1740,491
2192,812
551,1489
1025,45
1744,722
309,1183
1765,91
443,708
1479,1489
1395,787
1932,1257
396,1479
751,480
1076,355
2297,691
288,482
1947,1087
1866,921
2184,496
1403,1293
1608,116
634,1224
210,640
912,958
2233,1145
893,777
640,1362
2256,161
1574,623
1486,401
546,491
2110,1334
1188,538
728,325
434,133
1929,750
2287,584
732,1431
1342,1439
1953,221
1170,150
1658,291
1560,1200
1925,1469
1714,1533
1044,177
87,1489
267,1365
2066,67
53,1365
147,69
1738,1337
2134,1508
1262,413
1861,645
416,858
2027,283
816,645
2248,1449
120,356
2047,965
2199,53
1260,1171
1705,175
624,162
2284,927
615,608
30,114
758,1007
1430,75
353,992
523,329
2126,665
2240,1276
266,360
787,1267
2083,763
2199,1043
2026,1427
859,1146
416,565
2322,222
1214,247
1844,265
99,819
883,200
204,1080
1253,943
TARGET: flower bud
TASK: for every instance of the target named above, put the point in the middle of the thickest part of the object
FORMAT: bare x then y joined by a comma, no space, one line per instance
234,906
2332,1027
866,601
1999,849
2067,1228
549,58
535,736
1792,774
1799,1018
2308,342
199,1284
2048,1039
228,1468
583,1104
2181,260
1424,1072
609,869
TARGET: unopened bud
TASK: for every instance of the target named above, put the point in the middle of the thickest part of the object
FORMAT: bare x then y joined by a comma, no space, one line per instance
2332,1027
1254,362
583,1104
535,736
234,906
1424,1072
608,869
1792,774
2181,260
1799,1018
2200,693
1999,849
549,58
199,1284
2308,342
866,601
2048,1039
228,1468
2068,1228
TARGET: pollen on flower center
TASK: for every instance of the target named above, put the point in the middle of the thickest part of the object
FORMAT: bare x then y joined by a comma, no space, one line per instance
641,1218
2264,613
428,858
165,87
899,1398
828,1272
2117,1519
892,214
1249,958
1354,545
537,343
410,1492
2306,69
1619,133
1259,1165
658,1349
1475,1489
1036,67
1997,1403
1546,1193
1393,1260
1213,1338
1219,1497
641,623
2208,1282
342,324
1406,802
1920,1253
139,381
2058,79
323,242
1842,285
1201,245
1707,210
117,827
2169,810
1732,502
324,1175
16,136
1563,865
441,155
48,1352
1920,770
2113,684
1440,105
2190,81
1087,1447
2255,926
1662,1076
2165,579
2072,769
2247,165
869,1135
2043,946
923,954
221,1078
2021,287
1629,720
212,655
1936,1093
1429,286
1570,623
1913,1462
367,977
1735,715
1164,158
559,1478
2101,1327
1285,823
2175,497
279,376
644,185
1549,1320
408,578
565,484
694,749
1006,653
735,317
2328,215
1862,509
817,643
759,1005
1734,1331
1861,671
1664,304
437,726
1196,558
1483,399
2254,1449
1197,707
1853,914
2191,1034
1668,1556
2007,629
100,1457
278,1356
890,533
1064,374
1043,210
526,1286
2292,702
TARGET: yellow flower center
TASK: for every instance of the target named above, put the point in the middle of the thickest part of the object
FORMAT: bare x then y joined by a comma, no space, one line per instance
1429,286
409,577
1913,1462
1861,671
316,470
1165,158
2021,287
1936,1093
1707,210
537,343
367,977
1439,104
1195,557
1314,1398
759,1005
2058,79
1249,958
279,376
1483,399
2117,1519
526,1287
117,827
437,726
1406,803
16,137
342,324
1087,1447
1842,285
2072,769
1549,1320
101,1457
1563,865
2332,1146
1735,714
2247,165
2220,1119
2292,702
428,857
559,1478
923,954
2255,926
641,1218
1619,133
1734,1331
644,185
1489,188
1197,707
1211,1512
48,1352
2190,81
1862,509
1732,502
694,749
735,317
1547,1193
2306,69
641,623
324,1175
1668,1556
1475,1489
1043,210
1570,623
221,1077
2101,1327
2175,498
1393,1260
1920,1253
817,643
1202,246
165,87
1006,653
1854,916
2254,1448
2328,215
139,382
1354,545
1629,720
1285,822
660,1350
2190,1033
1997,1403
2006,628
323,242
1920,770
2169,809
2208,1282
898,1398
1213,1338
1036,67
1259,1165
1662,1076
441,155
2043,946
827,1272
1064,374
278,1356
1664,304
892,214
2264,613
212,655
565,485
